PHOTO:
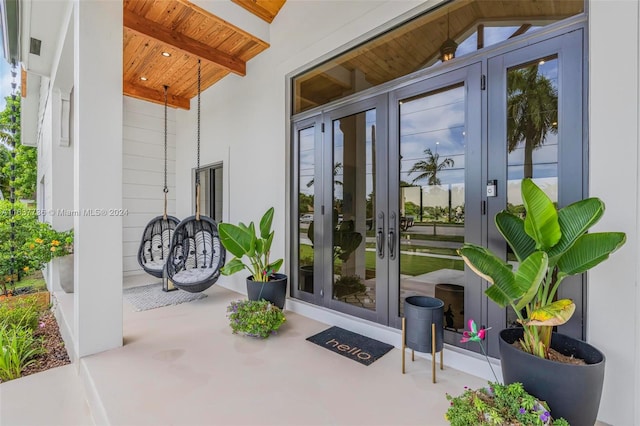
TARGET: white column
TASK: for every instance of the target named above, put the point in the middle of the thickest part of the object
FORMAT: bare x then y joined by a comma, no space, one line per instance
613,319
97,112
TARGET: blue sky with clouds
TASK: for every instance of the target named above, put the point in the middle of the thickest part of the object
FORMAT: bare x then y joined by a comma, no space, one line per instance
5,81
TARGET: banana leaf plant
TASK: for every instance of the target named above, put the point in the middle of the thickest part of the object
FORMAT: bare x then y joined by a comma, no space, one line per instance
549,245
243,241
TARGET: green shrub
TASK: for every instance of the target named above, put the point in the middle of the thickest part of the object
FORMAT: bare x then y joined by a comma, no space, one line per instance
23,313
499,405
254,318
18,347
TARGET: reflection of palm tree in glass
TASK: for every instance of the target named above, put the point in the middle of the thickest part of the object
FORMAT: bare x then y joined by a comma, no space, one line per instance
336,171
532,112
430,167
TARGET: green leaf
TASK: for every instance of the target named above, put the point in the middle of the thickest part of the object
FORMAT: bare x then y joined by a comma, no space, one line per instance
268,241
512,229
265,223
556,313
235,239
233,266
529,275
588,251
541,222
275,266
489,267
575,219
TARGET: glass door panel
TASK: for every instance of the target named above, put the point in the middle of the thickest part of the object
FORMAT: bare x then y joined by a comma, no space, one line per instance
436,191
354,195
535,116
432,199
532,135
306,197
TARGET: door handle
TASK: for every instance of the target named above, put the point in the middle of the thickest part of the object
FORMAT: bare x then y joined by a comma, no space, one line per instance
380,236
392,236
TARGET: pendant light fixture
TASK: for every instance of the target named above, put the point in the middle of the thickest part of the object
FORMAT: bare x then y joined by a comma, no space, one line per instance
448,48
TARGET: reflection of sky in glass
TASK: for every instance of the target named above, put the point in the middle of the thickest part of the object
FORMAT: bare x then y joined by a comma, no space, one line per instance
437,122
306,146
492,35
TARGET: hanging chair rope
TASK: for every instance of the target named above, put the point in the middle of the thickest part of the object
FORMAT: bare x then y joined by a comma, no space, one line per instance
166,187
198,152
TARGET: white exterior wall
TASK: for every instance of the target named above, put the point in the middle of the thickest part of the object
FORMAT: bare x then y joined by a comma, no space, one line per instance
142,174
245,125
613,321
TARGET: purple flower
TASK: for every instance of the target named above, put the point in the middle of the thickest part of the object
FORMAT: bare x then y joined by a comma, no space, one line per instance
522,410
545,416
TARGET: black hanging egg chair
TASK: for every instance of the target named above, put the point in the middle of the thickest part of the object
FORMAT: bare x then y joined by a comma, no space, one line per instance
156,244
196,254
156,238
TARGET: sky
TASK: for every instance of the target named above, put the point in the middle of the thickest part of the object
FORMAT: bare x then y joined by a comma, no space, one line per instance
5,82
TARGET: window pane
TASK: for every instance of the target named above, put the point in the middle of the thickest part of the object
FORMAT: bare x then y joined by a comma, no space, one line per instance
420,43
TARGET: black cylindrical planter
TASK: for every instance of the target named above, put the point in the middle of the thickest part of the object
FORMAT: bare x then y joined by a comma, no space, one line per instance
274,290
420,312
572,391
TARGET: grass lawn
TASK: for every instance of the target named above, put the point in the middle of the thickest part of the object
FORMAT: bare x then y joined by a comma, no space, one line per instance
34,280
409,265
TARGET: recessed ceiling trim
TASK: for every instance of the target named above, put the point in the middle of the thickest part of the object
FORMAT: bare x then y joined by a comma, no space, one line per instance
186,44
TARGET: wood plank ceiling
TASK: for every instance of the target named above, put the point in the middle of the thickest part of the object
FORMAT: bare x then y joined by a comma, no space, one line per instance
163,40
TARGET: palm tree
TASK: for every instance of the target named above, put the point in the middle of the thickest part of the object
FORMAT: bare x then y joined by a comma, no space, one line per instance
336,171
429,169
532,112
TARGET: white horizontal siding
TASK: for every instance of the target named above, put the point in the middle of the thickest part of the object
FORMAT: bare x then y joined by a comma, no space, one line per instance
143,172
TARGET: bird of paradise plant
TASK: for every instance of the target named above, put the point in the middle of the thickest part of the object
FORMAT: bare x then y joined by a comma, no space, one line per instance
549,245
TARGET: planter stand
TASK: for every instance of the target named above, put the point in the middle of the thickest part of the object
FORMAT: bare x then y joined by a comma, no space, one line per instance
420,312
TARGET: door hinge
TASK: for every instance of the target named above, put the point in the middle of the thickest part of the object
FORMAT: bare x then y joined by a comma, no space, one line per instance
322,127
322,210
321,292
483,82
484,207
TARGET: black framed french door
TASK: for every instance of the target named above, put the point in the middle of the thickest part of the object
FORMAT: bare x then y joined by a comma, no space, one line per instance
387,187
435,173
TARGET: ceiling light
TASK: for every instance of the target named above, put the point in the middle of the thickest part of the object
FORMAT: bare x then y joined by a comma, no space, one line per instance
541,62
166,54
143,78
448,48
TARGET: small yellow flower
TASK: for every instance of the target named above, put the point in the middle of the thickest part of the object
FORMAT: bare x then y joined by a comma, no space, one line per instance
53,249
31,245
39,240
55,243
26,269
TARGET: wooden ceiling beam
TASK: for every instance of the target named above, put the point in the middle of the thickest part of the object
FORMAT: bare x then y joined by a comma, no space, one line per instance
155,96
259,9
186,44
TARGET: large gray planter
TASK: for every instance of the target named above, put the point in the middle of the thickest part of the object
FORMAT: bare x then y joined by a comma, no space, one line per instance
65,272
572,391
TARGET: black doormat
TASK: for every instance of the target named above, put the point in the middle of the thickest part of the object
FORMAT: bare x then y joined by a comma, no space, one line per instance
354,346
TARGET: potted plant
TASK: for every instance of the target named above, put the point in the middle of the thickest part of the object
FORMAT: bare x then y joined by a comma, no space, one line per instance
244,242
549,245
499,404
496,404
255,318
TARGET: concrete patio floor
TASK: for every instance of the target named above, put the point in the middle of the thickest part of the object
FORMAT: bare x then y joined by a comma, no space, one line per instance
181,365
